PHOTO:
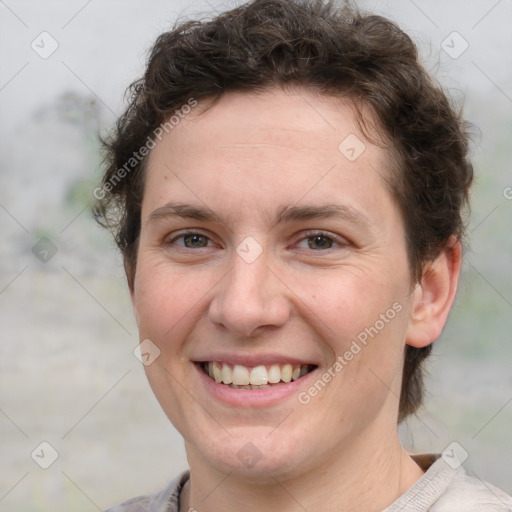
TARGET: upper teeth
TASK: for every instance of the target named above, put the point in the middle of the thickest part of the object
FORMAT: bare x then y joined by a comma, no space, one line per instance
257,376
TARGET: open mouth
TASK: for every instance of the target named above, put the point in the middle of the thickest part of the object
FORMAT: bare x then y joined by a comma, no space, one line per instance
256,377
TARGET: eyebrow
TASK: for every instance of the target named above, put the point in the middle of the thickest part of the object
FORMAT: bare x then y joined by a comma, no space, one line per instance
307,212
285,214
185,211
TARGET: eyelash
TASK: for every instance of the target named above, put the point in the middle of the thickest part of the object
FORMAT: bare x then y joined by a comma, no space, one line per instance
184,235
341,242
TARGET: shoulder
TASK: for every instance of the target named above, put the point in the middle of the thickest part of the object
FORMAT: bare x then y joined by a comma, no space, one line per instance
469,494
167,500
446,487
138,504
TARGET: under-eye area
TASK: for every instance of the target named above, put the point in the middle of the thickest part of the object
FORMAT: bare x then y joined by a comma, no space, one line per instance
237,376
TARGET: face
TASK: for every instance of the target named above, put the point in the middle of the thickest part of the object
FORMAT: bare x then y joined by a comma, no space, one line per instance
268,253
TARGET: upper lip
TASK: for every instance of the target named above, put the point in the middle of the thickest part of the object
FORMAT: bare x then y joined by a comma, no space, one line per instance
251,360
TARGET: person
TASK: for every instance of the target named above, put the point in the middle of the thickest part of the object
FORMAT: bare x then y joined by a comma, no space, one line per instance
288,188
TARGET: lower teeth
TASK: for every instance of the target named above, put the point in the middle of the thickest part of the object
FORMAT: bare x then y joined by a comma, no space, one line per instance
252,386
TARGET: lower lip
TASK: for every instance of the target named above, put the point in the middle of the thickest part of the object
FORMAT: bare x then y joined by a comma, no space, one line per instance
251,397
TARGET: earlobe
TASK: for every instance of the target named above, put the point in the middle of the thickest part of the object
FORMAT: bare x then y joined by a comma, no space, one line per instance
434,295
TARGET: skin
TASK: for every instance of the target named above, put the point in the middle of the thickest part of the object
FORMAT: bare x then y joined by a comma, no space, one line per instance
246,158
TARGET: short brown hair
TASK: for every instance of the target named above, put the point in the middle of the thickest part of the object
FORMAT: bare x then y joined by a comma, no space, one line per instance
335,51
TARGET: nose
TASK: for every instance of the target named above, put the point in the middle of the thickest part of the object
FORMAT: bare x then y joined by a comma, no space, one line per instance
250,299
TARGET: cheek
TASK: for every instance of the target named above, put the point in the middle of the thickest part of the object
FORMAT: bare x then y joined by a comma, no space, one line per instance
363,325
351,301
164,299
363,321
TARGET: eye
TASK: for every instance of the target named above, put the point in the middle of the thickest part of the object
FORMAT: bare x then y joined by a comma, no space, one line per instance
318,241
190,240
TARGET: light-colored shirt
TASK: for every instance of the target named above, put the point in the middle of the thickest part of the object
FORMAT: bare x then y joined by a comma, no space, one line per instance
445,487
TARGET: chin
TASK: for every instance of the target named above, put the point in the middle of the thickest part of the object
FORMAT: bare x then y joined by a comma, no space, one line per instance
252,454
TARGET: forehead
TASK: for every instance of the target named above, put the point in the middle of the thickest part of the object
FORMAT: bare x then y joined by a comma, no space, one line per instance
282,145
283,116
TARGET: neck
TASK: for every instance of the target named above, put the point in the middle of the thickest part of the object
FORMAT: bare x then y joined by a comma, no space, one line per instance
359,477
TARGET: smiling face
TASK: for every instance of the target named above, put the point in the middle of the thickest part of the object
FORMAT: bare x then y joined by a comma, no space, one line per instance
266,251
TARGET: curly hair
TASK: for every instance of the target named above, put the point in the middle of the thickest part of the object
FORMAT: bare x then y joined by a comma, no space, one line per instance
336,51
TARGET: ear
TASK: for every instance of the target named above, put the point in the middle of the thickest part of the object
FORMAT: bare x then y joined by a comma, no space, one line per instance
434,295
134,305
130,279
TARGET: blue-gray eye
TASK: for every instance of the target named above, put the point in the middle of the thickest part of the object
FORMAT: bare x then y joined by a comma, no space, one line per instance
194,241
